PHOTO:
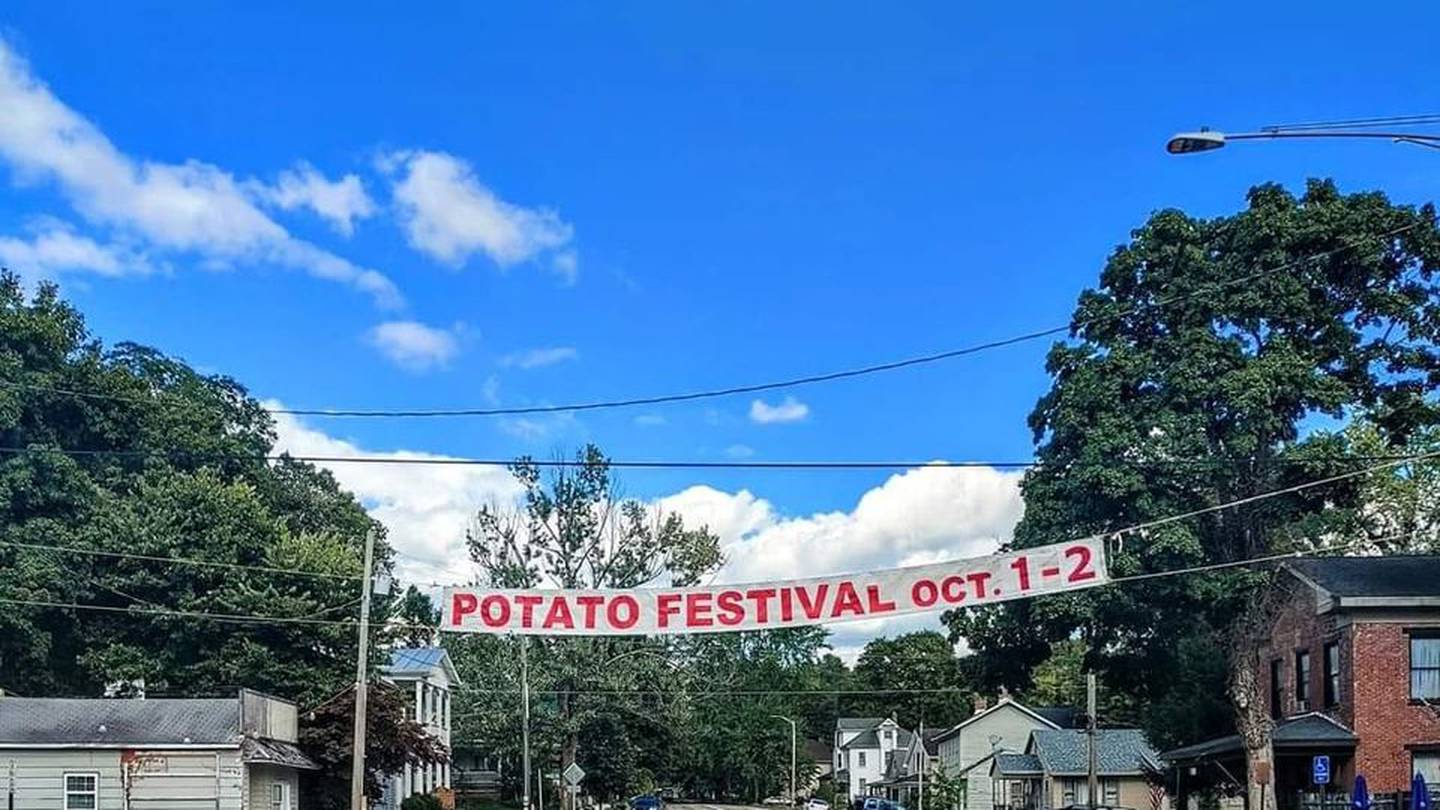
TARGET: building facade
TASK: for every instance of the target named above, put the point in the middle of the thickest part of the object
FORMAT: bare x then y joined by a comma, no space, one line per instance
1053,772
863,750
426,675
965,748
1351,671
144,754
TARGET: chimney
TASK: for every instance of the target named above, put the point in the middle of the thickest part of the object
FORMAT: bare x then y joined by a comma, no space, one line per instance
981,704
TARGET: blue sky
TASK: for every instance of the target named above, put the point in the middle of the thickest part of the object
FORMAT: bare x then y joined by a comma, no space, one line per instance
656,197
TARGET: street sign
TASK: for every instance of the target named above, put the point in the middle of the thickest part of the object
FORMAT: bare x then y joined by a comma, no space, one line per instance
1320,770
573,774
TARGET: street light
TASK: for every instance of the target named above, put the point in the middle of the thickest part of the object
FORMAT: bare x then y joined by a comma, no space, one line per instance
792,753
1207,140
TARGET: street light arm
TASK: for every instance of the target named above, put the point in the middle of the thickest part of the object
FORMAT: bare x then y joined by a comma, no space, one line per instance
1405,137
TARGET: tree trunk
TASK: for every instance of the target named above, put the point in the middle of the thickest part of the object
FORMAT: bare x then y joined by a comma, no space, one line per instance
1252,720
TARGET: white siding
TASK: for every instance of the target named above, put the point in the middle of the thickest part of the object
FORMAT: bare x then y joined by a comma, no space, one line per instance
1007,727
262,778
160,780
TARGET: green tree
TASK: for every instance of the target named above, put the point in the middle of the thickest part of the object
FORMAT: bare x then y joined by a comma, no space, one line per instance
911,664
575,530
393,740
1216,339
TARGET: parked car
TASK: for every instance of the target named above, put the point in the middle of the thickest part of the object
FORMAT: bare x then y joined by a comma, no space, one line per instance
813,803
647,801
775,801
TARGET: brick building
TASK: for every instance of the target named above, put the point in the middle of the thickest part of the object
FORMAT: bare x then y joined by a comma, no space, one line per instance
1352,671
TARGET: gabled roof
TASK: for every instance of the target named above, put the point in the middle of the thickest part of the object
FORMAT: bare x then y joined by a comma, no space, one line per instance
419,662
955,729
866,739
1012,764
1373,581
857,723
119,722
1062,716
1119,751
1312,730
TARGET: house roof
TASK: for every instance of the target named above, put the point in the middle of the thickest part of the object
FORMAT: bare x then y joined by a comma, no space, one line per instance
113,722
1313,730
1119,751
1011,764
1360,578
420,661
955,729
1061,716
857,723
866,739
276,752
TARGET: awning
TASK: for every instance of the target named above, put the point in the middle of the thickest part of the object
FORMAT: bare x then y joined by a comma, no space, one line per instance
266,751
1303,734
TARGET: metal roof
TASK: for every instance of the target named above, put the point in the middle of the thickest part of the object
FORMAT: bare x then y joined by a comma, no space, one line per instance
1313,730
867,739
276,752
1120,751
857,723
1388,576
1010,764
420,661
110,722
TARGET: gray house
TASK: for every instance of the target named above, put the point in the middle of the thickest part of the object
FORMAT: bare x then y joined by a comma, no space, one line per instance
159,754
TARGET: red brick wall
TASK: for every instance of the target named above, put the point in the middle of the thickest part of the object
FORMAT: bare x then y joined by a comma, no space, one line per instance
1385,720
1374,699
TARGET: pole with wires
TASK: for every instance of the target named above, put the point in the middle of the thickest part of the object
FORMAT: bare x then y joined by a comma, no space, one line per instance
525,720
357,750
1092,769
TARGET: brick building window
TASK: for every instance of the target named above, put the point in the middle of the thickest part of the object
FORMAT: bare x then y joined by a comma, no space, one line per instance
1332,674
1425,667
1302,681
1277,698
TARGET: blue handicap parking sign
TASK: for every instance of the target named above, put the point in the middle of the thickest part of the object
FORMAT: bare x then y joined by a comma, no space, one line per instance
1320,770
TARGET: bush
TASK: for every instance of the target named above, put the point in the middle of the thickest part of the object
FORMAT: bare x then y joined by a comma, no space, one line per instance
420,802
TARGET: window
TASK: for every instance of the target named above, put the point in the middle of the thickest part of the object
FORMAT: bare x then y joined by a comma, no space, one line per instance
82,791
1069,791
1110,789
862,763
862,787
1332,674
1425,667
889,735
279,796
1277,699
1427,764
1302,681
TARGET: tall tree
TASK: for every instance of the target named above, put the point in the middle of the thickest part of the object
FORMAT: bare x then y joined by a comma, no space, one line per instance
913,665
1190,374
574,530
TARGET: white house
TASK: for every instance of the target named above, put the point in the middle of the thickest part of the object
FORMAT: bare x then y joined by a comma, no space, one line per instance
1006,726
142,754
427,675
864,747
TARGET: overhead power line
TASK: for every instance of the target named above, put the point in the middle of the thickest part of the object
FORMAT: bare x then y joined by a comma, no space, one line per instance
1113,533
679,464
269,569
755,388
1423,119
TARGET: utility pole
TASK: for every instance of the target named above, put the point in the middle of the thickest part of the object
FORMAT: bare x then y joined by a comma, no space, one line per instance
793,735
924,763
525,713
1090,736
357,750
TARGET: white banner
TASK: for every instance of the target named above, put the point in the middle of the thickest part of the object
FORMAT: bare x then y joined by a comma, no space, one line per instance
768,605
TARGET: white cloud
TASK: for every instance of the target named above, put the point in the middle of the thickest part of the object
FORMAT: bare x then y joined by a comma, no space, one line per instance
425,507
924,515
535,429
789,410
340,202
535,358
190,207
649,420
450,215
56,249
414,346
567,264
739,451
